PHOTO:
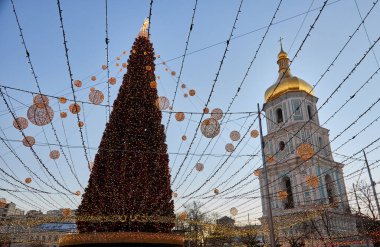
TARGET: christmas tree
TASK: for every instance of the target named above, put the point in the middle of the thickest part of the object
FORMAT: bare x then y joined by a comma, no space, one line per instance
129,186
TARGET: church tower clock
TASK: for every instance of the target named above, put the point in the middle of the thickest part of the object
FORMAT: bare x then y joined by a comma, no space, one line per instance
301,190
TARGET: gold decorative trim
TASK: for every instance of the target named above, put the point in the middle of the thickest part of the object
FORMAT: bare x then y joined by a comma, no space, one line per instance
120,237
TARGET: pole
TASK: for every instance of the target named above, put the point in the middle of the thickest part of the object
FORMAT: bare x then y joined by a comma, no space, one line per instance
266,189
356,198
372,184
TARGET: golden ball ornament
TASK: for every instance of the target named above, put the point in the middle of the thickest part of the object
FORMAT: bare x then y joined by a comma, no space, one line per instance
133,51
210,127
145,53
92,89
40,116
233,211
148,68
305,151
112,80
158,77
153,84
216,191
104,67
66,212
282,195
74,108
117,58
173,73
184,138
166,69
96,97
80,124
77,193
20,123
162,103
182,216
206,110
175,194
63,114
124,52
312,181
124,65
183,86
28,141
185,95
192,92
62,100
40,101
78,83
230,147
117,64
28,180
93,78
199,167
180,116
234,135
54,154
217,113
254,133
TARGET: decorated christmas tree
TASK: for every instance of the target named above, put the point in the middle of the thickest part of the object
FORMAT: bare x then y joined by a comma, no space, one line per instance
129,186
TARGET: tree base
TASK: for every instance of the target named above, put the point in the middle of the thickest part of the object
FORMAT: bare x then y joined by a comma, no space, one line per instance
122,239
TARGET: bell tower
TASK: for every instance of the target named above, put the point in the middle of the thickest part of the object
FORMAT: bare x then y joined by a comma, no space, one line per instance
299,182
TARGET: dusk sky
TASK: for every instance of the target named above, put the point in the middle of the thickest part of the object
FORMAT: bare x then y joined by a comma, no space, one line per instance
84,25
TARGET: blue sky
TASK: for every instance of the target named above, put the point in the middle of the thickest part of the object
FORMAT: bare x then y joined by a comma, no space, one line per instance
84,23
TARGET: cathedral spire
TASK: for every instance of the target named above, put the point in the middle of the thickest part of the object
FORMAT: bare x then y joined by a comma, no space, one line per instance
283,60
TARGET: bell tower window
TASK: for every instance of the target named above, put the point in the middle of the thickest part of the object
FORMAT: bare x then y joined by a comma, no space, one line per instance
329,188
309,112
281,145
280,119
289,197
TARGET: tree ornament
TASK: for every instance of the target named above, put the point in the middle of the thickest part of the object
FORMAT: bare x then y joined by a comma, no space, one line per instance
166,69
233,211
40,101
192,92
217,113
20,123
183,86
93,78
270,159
77,193
210,127
254,133
206,110
104,67
74,108
184,138
80,124
153,84
96,97
54,154
282,195
235,135
158,55
78,83
216,191
175,194
173,73
180,116
158,77
148,68
257,173
117,64
112,80
124,65
40,116
117,58
185,95
28,141
124,52
63,114
62,100
230,147
162,103
199,167
28,180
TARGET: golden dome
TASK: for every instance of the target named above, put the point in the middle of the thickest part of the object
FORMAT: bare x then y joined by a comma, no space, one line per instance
286,82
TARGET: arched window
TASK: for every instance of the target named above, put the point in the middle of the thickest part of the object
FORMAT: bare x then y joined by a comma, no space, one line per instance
281,145
329,188
309,112
280,119
289,203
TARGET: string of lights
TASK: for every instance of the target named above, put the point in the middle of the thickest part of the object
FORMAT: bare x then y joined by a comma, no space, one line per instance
212,88
107,64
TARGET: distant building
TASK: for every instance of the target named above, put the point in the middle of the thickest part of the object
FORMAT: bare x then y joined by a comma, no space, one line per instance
8,210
